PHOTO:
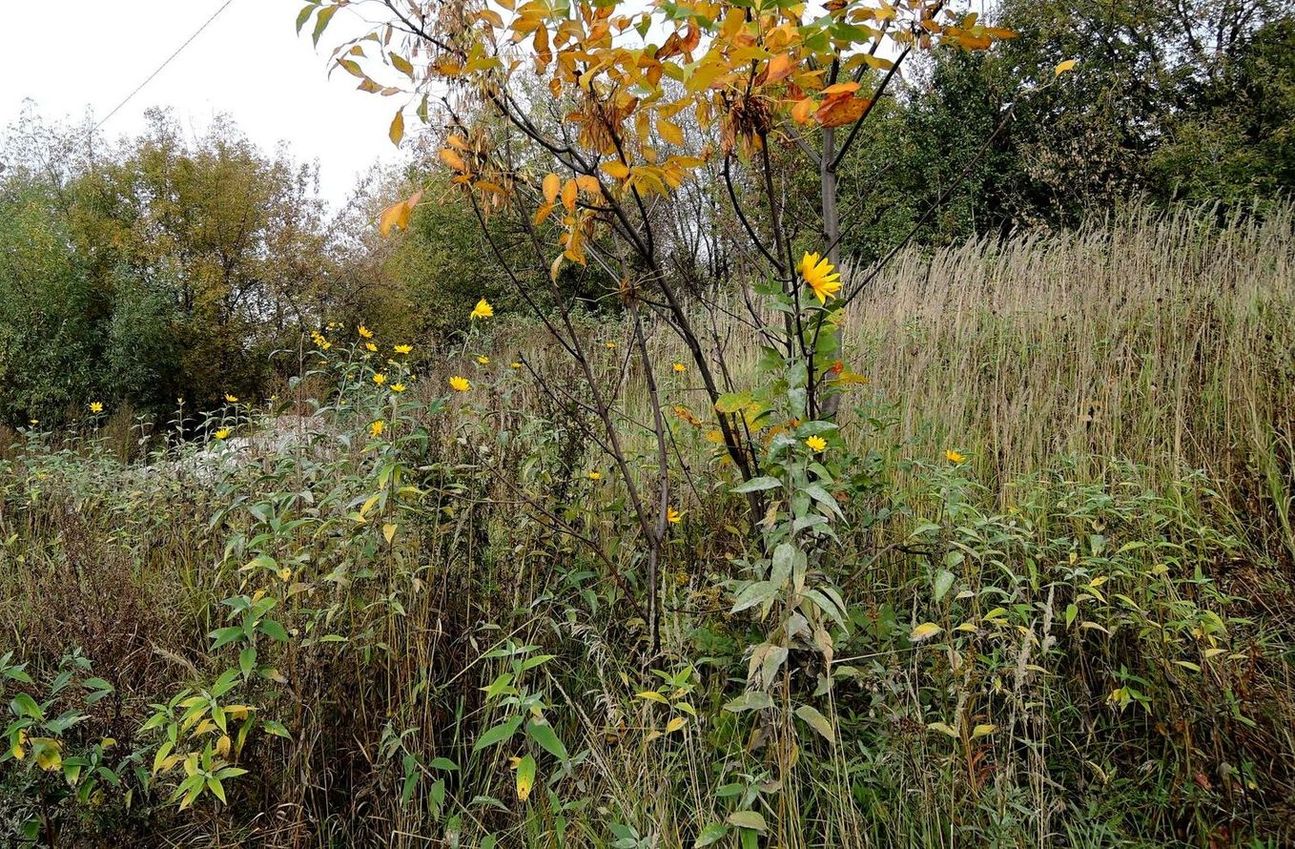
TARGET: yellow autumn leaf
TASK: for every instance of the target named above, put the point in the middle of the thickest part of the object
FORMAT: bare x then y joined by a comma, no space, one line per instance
397,131
389,531
452,159
675,724
1064,67
670,131
552,185
924,632
618,170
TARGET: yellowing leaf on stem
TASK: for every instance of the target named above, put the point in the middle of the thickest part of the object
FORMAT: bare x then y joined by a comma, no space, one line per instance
1064,67
924,632
525,778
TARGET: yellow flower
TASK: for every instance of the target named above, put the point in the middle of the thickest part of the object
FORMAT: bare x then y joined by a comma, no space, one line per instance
223,433
484,360
403,349
397,387
680,368
370,347
285,574
379,378
483,309
595,475
96,407
673,516
377,428
231,399
954,457
611,346
365,333
460,384
514,365
816,443
820,276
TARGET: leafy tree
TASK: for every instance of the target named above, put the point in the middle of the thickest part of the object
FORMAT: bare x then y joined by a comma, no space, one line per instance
154,269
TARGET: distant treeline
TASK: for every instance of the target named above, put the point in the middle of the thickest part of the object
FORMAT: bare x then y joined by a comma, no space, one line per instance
165,267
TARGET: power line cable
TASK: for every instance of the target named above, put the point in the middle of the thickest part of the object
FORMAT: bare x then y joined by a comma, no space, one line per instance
162,67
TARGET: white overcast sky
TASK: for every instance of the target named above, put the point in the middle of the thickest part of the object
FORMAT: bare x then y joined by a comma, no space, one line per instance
72,55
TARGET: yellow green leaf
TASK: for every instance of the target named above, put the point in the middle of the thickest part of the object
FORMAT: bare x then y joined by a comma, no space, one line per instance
924,632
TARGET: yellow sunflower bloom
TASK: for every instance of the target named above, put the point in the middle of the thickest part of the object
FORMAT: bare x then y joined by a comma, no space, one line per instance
403,349
816,443
673,516
370,347
680,368
231,399
96,407
379,378
483,309
484,360
955,457
595,475
365,333
460,384
398,387
223,433
376,429
820,276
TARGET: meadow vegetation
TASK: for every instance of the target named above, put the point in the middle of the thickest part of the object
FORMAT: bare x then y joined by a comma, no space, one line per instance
1065,614
747,424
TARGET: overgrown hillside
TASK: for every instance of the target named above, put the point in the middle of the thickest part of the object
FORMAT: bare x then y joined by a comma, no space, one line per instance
385,608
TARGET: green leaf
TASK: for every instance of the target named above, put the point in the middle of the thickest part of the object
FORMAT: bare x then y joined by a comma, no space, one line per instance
754,593
543,734
943,581
321,22
817,721
276,728
732,402
25,705
756,485
712,833
747,819
501,732
750,700
272,629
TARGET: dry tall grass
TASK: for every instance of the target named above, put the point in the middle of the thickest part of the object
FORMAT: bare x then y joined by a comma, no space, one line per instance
1167,341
